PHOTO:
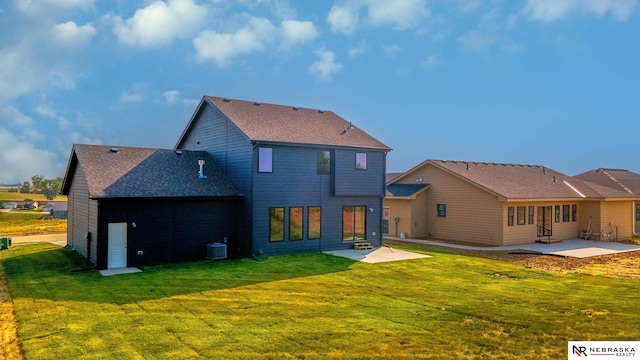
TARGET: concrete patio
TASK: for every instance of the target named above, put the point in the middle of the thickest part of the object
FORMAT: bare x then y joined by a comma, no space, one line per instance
577,248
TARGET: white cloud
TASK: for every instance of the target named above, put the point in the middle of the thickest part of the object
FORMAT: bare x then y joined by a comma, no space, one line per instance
468,6
222,48
136,94
552,10
439,37
160,23
12,116
69,34
358,50
49,113
296,32
392,50
325,66
477,41
171,97
20,71
191,103
48,7
399,14
431,61
20,159
343,19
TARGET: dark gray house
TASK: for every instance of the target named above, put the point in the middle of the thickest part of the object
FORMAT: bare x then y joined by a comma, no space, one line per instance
276,179
311,180
133,206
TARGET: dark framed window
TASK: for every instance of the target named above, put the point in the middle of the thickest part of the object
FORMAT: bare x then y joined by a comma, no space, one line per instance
521,212
265,160
510,216
276,224
565,213
361,161
441,210
295,223
324,162
557,213
531,214
353,223
314,221
574,212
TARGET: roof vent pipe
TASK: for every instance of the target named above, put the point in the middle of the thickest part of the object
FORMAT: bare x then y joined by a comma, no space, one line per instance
468,168
554,179
544,170
201,173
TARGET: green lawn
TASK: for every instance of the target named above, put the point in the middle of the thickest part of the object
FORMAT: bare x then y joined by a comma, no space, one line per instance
311,306
22,222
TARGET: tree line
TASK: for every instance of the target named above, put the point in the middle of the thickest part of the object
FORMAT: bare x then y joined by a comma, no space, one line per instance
41,185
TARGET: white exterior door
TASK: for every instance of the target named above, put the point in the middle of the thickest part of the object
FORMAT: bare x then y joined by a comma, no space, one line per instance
117,245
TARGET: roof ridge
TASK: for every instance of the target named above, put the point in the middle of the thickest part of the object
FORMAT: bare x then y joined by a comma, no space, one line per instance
606,172
260,103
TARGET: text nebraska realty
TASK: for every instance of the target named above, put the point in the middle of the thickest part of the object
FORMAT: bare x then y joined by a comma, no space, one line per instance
608,351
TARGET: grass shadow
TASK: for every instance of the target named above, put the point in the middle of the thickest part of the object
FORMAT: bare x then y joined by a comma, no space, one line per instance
46,271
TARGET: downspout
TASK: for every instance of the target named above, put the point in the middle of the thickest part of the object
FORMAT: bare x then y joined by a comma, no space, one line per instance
384,191
254,169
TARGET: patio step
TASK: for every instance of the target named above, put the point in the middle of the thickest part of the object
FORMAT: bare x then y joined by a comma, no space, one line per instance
362,246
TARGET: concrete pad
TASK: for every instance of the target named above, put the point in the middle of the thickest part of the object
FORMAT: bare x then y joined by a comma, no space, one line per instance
572,248
120,271
580,248
376,255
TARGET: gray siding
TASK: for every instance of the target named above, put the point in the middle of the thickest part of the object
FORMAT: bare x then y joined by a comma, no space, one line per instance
294,182
82,217
354,182
231,149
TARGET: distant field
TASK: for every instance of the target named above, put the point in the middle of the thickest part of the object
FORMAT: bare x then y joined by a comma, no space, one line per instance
5,195
19,222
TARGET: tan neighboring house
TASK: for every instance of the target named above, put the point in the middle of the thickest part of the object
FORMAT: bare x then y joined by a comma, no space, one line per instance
505,204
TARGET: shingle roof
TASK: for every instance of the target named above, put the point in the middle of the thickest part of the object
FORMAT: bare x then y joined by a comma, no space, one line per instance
613,179
120,172
286,124
404,189
513,181
518,181
391,176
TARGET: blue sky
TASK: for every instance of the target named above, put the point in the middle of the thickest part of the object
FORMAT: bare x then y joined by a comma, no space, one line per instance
549,82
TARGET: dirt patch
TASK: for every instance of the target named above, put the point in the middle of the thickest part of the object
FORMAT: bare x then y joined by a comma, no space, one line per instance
8,325
624,265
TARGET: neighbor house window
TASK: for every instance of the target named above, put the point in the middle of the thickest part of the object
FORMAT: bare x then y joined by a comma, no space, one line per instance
276,224
521,215
324,162
557,213
353,223
313,222
574,212
565,213
361,161
265,160
510,216
295,223
531,214
441,210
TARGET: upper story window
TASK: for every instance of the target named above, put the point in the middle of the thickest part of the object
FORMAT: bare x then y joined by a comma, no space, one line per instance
441,210
324,162
265,159
361,161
